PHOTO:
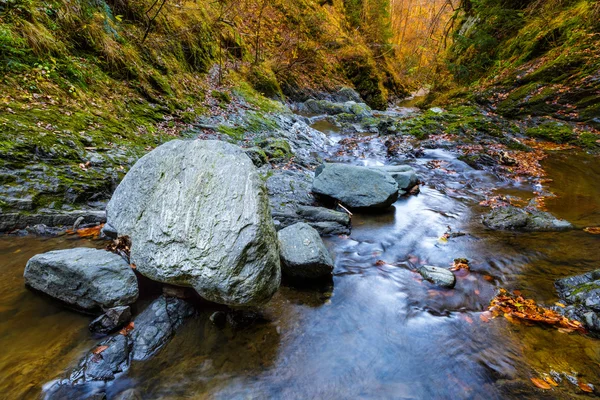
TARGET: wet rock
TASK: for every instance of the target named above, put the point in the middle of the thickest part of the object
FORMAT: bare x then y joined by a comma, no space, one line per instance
197,214
354,186
524,219
439,276
157,324
331,108
12,221
292,202
102,363
479,161
113,319
303,254
581,289
325,220
66,391
218,318
240,319
85,278
153,329
306,143
404,175
582,294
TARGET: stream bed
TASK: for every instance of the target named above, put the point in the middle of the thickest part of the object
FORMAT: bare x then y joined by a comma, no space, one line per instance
378,331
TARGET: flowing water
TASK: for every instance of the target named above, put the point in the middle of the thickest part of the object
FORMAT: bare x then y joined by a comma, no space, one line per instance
379,331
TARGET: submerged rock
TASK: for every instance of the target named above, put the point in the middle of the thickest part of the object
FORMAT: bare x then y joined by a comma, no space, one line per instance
152,329
157,324
113,319
439,276
527,219
85,278
197,214
582,294
354,186
303,254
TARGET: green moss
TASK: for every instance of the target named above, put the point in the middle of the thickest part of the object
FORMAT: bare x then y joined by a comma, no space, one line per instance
553,131
588,140
250,95
365,77
264,81
223,97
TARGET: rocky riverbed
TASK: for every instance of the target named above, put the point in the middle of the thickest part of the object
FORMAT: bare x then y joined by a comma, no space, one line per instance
393,216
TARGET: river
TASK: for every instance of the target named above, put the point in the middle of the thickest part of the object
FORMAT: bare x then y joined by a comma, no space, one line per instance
379,331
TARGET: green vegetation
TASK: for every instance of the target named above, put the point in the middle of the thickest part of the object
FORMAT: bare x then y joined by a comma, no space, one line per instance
530,57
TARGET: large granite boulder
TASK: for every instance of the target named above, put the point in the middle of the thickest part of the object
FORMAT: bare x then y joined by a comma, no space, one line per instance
88,279
303,254
198,215
523,219
355,186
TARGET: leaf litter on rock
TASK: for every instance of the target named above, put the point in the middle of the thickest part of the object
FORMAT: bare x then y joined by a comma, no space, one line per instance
515,308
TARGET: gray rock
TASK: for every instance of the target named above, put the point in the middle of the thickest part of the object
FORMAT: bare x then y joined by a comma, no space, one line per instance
104,365
404,175
111,357
581,289
582,294
87,279
113,319
324,220
440,276
331,108
197,214
157,324
354,186
291,202
12,221
303,254
524,219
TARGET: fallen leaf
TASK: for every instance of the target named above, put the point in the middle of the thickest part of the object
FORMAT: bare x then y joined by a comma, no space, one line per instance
559,305
585,387
128,328
594,230
380,262
488,278
541,383
92,232
516,308
99,349
460,263
550,380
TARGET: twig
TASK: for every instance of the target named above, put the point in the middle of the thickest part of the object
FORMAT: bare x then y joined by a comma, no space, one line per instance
344,208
